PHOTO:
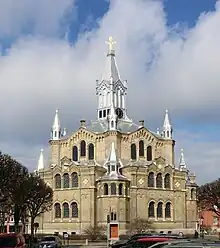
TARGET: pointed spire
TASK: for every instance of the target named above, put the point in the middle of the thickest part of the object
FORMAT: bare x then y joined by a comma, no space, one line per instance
182,163
112,155
112,117
40,165
56,128
167,128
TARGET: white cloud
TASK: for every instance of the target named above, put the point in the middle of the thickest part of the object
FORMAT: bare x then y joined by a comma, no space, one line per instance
41,16
41,74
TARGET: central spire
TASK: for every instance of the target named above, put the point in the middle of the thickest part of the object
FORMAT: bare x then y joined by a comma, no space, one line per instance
111,91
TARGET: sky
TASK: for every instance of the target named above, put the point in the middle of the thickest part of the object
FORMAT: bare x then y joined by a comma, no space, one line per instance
52,52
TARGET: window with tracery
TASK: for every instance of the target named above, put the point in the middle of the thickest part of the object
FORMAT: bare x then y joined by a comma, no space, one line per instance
159,180
160,210
151,211
75,154
113,188
74,207
133,152
120,189
167,182
151,179
75,181
66,210
168,210
141,148
57,210
66,180
91,151
83,148
149,153
105,189
58,181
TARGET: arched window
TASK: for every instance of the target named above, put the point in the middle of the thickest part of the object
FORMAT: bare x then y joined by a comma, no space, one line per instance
193,194
133,152
105,189
66,210
126,191
160,210
57,210
58,181
159,181
141,148
151,212
113,189
149,153
91,151
120,189
151,179
74,208
66,180
83,148
167,181
75,181
168,210
75,153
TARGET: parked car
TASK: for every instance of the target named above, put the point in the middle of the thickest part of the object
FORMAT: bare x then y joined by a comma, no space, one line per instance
50,242
12,240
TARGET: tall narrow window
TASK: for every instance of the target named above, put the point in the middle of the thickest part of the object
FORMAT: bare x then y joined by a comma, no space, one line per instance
105,189
75,153
160,210
151,179
58,181
120,189
66,180
75,181
193,194
151,212
168,210
126,190
83,148
57,210
91,151
66,210
133,152
149,153
167,181
141,148
113,189
74,207
159,181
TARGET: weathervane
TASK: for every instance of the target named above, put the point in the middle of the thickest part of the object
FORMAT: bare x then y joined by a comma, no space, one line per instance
110,43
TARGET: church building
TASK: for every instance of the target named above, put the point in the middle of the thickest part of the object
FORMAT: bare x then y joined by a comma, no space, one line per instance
115,166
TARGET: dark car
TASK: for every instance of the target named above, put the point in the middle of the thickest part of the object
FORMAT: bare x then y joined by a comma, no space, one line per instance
145,242
12,240
50,242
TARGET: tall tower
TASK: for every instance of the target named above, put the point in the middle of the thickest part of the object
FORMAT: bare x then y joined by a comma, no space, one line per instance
56,128
167,128
111,90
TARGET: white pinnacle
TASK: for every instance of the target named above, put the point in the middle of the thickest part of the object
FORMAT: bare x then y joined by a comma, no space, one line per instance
40,165
182,163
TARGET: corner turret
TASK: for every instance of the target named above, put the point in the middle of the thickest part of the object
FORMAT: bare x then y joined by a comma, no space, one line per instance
167,128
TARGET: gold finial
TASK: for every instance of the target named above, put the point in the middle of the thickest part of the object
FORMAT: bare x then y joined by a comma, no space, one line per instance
110,43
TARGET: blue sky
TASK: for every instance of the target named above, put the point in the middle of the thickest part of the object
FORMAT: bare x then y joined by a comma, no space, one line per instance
53,51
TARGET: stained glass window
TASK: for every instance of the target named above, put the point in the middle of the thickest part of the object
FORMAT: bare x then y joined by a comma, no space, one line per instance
151,212
83,148
66,180
141,148
75,181
160,210
57,210
75,153
133,152
91,151
151,179
168,210
159,180
149,153
74,207
57,181
65,210
167,181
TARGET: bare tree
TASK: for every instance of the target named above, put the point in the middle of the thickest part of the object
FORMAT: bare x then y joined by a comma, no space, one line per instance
95,232
139,225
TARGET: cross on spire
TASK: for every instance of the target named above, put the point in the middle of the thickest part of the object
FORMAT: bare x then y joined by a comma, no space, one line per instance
110,43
